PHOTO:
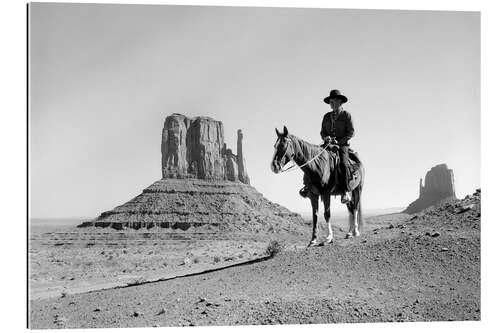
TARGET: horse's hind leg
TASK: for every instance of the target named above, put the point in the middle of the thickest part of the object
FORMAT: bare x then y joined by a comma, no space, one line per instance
355,223
314,204
350,233
327,214
354,208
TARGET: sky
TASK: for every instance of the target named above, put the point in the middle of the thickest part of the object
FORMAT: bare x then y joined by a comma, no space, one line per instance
104,77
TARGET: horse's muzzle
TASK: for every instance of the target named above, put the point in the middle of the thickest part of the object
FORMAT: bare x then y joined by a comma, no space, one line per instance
275,167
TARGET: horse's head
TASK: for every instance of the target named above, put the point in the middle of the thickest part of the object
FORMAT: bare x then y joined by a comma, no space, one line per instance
283,151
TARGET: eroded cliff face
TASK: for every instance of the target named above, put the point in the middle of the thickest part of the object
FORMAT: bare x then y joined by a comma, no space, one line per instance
173,145
439,186
439,181
195,148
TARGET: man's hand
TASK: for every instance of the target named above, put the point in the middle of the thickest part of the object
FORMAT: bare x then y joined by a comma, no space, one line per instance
327,139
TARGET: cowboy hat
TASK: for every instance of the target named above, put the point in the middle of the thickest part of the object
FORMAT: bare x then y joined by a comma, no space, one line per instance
335,94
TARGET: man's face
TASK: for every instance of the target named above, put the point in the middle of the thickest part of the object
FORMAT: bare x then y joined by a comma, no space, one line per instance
335,103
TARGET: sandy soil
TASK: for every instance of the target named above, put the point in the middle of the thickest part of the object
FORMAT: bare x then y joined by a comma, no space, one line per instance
71,260
403,268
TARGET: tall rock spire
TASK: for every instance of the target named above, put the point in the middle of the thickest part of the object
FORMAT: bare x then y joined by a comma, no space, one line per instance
242,172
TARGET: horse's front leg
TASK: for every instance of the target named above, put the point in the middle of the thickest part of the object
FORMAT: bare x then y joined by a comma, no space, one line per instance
353,223
327,215
314,204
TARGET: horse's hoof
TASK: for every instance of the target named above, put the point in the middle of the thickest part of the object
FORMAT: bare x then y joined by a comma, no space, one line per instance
314,243
356,233
348,235
329,241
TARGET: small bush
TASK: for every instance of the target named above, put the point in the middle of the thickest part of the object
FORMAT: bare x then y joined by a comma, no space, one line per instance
216,259
274,248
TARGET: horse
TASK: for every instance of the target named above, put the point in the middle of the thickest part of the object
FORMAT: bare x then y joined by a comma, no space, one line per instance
321,167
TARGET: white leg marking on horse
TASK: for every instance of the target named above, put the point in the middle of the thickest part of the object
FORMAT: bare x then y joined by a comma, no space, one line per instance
351,226
329,239
330,232
355,224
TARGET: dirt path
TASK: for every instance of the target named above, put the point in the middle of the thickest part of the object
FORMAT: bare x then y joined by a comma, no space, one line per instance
423,269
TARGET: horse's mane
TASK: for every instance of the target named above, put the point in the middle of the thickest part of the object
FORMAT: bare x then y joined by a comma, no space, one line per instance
308,150
321,168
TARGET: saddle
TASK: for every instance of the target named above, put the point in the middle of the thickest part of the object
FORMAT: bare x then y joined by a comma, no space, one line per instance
354,165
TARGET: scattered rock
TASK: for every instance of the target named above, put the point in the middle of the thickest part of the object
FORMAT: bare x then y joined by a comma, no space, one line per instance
162,311
463,209
137,314
444,249
435,234
59,320
97,310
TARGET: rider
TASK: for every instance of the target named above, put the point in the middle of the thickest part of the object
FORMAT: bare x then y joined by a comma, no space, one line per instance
337,129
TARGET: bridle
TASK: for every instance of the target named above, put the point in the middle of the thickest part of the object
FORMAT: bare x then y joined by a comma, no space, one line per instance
295,166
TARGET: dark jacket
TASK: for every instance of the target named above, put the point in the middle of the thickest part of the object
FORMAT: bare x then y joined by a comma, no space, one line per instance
341,128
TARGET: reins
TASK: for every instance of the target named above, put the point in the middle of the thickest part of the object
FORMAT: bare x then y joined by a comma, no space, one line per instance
295,166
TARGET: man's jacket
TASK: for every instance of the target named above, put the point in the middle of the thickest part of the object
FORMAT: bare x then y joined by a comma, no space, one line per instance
341,128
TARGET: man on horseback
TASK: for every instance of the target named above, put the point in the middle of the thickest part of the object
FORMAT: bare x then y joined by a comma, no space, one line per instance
336,131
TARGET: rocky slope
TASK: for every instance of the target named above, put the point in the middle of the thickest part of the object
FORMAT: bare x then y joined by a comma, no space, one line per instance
206,205
424,267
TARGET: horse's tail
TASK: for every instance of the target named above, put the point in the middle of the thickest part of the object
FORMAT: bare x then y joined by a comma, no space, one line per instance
359,196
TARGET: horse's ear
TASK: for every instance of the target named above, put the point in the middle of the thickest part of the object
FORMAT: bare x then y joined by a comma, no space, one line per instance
285,131
277,132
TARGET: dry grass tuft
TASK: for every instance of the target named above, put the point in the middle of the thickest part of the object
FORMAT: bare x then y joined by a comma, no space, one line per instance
274,248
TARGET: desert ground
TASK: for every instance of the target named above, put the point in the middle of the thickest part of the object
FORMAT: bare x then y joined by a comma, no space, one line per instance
423,267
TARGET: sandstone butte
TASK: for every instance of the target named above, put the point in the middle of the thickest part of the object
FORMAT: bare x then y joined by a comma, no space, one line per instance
204,185
439,187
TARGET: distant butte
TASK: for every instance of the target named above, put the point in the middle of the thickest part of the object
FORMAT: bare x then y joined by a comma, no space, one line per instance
439,186
204,186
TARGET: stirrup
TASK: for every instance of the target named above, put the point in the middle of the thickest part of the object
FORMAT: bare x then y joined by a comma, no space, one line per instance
303,192
346,198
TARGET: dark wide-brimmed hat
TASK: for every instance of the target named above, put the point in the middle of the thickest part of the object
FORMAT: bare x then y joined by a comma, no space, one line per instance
335,94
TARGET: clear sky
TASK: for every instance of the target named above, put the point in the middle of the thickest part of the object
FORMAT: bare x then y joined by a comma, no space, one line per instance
104,77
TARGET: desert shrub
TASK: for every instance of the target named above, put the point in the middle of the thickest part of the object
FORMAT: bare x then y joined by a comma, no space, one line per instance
196,260
273,248
216,259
